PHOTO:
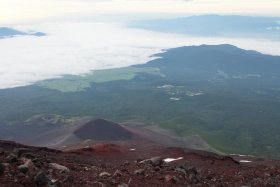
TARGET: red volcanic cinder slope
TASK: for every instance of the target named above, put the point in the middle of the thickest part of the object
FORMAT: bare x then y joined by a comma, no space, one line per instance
103,153
26,166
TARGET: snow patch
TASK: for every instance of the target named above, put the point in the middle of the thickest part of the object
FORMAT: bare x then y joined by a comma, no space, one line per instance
172,159
245,161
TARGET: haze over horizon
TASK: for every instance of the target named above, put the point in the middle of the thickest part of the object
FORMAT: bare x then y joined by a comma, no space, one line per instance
36,10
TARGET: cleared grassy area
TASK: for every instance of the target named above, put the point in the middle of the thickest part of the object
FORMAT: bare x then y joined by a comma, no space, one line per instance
58,119
70,83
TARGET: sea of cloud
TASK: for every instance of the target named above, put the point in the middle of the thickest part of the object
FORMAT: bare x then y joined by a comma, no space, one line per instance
79,48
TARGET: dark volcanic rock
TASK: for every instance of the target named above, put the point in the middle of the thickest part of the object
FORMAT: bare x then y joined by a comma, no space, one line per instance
28,155
11,158
40,179
19,151
155,161
2,169
188,168
23,168
103,130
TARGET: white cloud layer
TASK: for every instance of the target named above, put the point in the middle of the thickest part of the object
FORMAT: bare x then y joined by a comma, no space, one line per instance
78,48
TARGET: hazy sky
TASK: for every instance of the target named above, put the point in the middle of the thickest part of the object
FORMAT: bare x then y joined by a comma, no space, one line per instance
16,11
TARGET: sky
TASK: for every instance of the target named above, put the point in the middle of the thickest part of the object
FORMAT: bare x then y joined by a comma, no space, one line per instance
22,11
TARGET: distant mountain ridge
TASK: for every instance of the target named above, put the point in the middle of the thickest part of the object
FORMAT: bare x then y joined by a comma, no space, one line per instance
9,32
215,25
6,32
212,58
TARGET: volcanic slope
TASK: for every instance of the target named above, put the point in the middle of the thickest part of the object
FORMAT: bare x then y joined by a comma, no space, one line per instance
97,130
26,166
103,131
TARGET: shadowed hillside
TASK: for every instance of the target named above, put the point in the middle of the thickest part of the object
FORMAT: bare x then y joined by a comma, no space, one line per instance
102,130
